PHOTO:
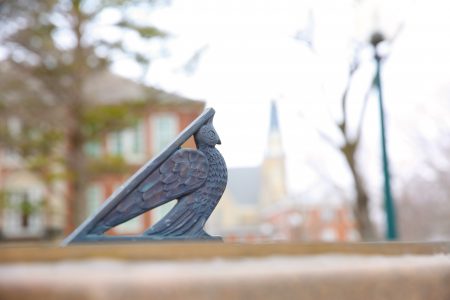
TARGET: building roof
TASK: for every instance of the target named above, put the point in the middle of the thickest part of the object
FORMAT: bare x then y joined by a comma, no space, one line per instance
104,87
108,88
244,184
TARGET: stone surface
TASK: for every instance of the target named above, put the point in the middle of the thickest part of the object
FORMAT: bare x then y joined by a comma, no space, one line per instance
277,277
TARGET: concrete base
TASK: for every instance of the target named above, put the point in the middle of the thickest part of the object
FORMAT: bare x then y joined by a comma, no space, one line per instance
334,277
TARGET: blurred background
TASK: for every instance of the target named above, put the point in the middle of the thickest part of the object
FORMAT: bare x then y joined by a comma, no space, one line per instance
91,90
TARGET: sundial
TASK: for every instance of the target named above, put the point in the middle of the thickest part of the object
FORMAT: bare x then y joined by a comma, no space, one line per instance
195,178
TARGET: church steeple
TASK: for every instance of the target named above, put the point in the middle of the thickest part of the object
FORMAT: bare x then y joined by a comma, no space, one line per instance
274,125
273,171
274,144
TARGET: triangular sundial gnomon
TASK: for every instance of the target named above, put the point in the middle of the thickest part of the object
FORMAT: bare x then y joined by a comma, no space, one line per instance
85,232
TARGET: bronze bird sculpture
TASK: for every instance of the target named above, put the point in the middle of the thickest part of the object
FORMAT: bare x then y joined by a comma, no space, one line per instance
195,178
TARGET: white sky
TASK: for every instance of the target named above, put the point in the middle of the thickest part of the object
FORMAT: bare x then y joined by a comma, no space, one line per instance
252,57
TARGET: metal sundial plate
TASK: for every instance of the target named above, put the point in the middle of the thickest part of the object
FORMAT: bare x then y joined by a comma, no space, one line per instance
82,232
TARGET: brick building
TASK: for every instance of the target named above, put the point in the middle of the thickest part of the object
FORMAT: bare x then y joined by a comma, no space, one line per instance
24,214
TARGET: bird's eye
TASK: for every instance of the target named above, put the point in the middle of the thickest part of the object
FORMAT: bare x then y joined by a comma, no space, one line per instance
211,134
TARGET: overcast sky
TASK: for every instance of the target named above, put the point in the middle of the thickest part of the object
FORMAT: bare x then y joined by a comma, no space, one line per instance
250,56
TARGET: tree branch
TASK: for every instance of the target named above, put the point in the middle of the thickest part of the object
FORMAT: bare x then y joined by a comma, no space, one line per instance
342,125
321,133
363,112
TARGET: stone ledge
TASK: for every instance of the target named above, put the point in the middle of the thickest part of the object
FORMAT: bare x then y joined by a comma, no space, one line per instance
208,250
274,277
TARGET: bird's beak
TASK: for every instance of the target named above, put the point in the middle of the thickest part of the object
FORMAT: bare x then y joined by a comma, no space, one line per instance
219,142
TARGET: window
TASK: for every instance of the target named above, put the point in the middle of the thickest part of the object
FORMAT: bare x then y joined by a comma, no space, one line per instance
133,143
114,143
93,148
128,143
94,197
138,138
23,214
295,219
327,215
352,235
328,235
164,130
10,157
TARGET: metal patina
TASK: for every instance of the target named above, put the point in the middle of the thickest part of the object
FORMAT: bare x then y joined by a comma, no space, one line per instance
195,178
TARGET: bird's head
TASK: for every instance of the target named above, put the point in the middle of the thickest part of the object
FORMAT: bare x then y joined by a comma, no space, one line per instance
207,135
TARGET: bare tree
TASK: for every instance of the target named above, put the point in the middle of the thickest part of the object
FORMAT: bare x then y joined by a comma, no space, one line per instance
348,148
350,140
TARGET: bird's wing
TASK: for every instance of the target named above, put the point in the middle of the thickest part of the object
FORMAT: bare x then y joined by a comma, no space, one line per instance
182,173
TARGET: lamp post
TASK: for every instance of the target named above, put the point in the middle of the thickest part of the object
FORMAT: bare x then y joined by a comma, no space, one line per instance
391,228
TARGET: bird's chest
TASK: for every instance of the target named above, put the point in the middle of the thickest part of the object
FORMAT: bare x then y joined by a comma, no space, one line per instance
217,178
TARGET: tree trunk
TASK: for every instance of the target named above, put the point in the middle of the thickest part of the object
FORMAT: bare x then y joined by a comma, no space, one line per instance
360,208
75,157
76,169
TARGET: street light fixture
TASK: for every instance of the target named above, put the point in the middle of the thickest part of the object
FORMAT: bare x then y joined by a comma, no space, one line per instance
391,228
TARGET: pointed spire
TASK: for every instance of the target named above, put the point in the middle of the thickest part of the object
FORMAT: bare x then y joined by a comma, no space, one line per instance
274,187
274,144
274,124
